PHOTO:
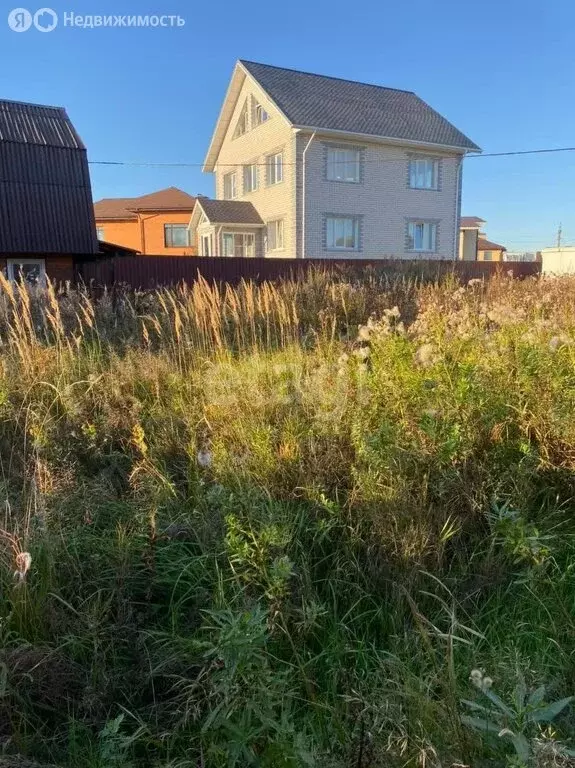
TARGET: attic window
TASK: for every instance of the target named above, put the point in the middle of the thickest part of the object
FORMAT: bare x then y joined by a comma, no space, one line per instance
242,125
260,115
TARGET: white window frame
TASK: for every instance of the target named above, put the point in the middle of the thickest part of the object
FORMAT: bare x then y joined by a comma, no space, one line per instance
206,242
245,241
11,263
424,173
242,126
337,228
275,236
260,114
343,165
485,255
233,184
427,239
100,233
275,168
251,173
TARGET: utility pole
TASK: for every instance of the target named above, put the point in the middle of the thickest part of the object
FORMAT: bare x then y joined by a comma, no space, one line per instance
559,234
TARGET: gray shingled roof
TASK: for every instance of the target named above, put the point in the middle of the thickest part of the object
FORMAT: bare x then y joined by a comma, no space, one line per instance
229,211
38,125
329,103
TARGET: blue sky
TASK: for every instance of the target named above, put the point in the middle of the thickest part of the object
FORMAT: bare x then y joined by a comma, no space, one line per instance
502,72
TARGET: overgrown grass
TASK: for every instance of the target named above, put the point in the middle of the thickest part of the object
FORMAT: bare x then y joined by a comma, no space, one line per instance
255,527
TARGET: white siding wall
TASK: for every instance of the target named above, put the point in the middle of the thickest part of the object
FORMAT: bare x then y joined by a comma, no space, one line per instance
383,199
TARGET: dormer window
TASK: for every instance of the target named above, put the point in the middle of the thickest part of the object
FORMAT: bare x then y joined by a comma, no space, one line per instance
242,125
260,115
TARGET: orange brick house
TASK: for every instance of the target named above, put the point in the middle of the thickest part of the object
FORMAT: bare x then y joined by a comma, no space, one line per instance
154,224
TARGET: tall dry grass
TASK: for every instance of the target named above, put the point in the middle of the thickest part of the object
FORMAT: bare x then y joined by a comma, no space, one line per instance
279,524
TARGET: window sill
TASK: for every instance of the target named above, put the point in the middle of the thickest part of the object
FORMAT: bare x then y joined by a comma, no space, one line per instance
341,250
425,189
344,181
274,183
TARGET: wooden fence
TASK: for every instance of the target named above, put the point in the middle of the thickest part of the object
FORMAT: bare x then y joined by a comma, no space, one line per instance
151,271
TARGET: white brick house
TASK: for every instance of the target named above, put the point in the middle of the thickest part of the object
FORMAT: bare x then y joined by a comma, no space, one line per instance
318,167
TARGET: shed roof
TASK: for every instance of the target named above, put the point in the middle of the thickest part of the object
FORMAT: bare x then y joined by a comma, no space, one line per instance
37,124
45,192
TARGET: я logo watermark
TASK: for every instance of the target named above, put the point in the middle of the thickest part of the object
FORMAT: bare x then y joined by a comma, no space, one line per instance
21,20
46,20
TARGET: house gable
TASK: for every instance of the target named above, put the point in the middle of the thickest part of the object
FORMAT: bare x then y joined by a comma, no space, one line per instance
243,97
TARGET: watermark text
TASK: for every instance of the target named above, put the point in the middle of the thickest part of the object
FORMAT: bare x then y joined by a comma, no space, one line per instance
72,19
46,20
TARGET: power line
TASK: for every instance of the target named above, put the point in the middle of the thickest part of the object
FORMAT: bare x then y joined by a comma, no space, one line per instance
524,152
373,162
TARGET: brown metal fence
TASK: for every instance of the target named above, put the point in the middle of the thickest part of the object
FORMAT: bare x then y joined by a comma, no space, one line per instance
151,271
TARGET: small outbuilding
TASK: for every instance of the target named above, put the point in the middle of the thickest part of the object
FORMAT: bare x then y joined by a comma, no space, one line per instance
558,261
46,212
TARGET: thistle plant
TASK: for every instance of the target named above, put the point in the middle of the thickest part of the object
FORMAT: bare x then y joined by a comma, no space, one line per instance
517,720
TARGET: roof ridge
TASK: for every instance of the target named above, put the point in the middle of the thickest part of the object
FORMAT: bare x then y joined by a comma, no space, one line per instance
211,201
33,104
326,77
114,198
164,189
147,194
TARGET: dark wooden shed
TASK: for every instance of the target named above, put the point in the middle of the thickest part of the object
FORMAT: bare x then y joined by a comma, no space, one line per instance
46,209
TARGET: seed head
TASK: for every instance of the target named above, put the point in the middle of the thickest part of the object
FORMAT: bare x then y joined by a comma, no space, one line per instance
363,353
23,563
426,356
205,458
476,677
